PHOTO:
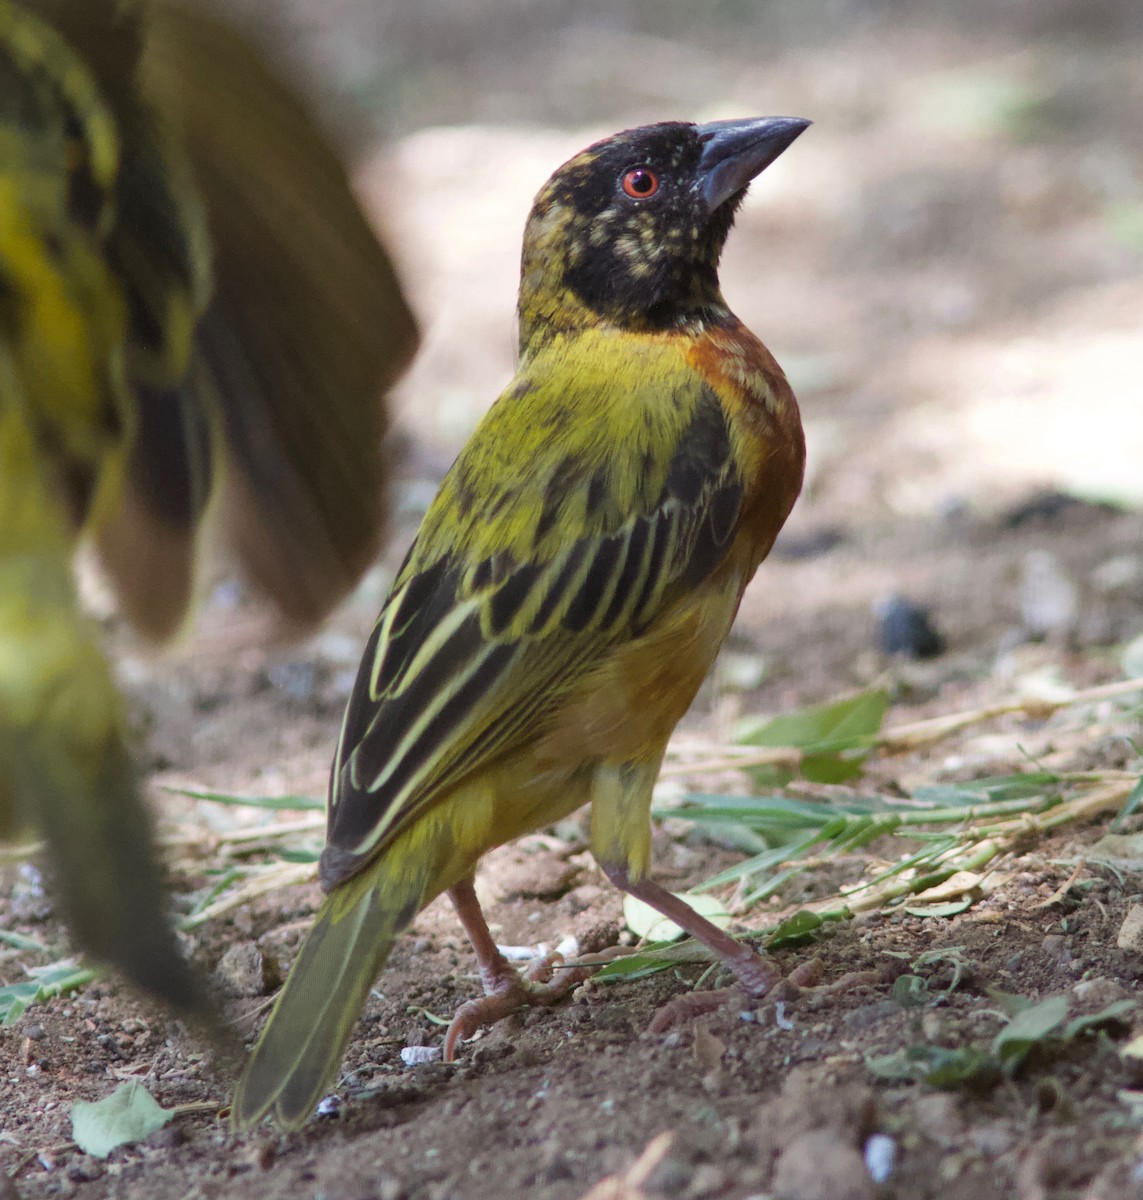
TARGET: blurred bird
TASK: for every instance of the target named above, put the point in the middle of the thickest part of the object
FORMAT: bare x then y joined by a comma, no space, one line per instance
188,289
567,592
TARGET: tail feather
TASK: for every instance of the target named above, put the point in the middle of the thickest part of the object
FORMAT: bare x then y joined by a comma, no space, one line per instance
303,1042
102,854
65,765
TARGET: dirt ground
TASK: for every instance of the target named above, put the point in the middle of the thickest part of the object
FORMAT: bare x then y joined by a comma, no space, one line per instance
949,265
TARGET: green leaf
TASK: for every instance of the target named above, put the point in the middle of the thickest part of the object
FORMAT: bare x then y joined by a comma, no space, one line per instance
758,863
991,789
129,1114
55,979
1009,1003
834,738
967,1067
910,991
656,957
896,1066
937,1066
778,818
1130,806
647,922
1113,1014
795,931
847,724
954,955
767,776
297,855
19,942
271,803
832,768
1027,1029
949,909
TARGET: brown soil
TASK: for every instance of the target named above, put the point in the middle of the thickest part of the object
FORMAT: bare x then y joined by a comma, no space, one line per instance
947,264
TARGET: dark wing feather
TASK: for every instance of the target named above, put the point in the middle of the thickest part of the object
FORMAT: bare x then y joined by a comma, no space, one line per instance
465,665
308,326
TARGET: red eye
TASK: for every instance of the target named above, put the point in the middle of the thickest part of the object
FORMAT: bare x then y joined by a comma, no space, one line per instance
639,183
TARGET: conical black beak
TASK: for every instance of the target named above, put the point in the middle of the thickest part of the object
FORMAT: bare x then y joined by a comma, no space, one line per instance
735,151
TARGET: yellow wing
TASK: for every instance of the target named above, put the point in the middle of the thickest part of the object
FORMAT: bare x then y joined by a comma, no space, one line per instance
515,590
65,417
186,276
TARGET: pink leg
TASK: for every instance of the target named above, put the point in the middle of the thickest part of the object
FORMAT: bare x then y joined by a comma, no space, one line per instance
750,968
505,989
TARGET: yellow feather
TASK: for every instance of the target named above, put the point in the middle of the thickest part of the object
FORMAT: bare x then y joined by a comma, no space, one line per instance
160,311
569,587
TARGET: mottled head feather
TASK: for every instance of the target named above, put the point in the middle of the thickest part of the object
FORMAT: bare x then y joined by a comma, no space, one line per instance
594,253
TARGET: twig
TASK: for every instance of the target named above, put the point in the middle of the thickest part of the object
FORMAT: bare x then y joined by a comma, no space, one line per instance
737,758
1064,887
899,738
918,733
277,876
273,832
975,855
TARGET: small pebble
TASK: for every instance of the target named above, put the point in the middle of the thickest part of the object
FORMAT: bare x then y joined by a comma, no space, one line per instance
880,1156
819,1165
415,1056
168,1137
330,1107
568,947
245,971
1041,507
905,627
1130,936
298,680
1049,600
740,672
799,547
84,1169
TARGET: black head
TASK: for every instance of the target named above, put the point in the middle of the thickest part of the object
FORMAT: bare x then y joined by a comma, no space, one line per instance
629,232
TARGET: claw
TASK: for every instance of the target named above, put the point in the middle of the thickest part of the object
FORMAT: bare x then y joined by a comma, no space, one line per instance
507,990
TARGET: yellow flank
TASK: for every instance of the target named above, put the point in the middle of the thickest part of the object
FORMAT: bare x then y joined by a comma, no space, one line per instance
571,582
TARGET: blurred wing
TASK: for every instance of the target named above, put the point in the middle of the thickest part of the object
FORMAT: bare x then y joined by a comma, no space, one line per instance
159,251
65,765
308,326
469,659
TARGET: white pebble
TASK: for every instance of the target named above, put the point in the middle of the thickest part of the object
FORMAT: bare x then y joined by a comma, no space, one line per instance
569,947
414,1056
880,1156
1049,601
780,1018
522,953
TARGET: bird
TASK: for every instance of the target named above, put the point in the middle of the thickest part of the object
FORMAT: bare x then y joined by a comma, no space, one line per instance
197,328
566,593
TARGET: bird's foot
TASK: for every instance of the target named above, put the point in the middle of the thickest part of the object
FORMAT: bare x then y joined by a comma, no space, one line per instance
805,978
506,990
756,978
